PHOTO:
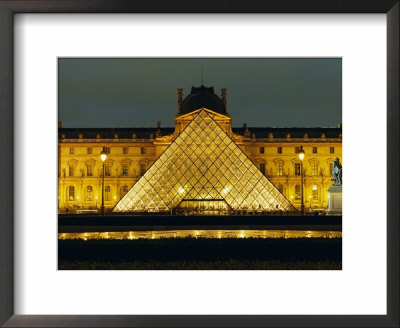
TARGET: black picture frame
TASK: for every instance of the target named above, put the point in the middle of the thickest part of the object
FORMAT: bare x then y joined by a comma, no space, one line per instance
10,7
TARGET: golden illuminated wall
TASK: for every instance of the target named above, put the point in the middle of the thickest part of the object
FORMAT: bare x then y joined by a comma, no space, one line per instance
80,168
275,157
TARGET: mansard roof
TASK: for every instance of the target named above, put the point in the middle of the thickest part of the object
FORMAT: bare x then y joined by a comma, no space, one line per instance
144,133
294,132
109,133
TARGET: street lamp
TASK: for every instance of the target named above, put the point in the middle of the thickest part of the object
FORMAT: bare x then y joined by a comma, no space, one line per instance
301,157
103,156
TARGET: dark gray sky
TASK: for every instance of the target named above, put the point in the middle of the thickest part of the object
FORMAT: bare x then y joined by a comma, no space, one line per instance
262,92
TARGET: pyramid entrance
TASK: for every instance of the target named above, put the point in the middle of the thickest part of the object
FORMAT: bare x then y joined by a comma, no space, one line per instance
204,207
203,171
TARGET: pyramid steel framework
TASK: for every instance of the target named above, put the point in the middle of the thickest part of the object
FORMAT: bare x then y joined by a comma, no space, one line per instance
203,170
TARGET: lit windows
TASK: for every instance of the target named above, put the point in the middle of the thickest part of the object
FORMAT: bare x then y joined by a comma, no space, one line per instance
107,193
279,150
261,150
332,150
89,193
89,151
315,150
107,170
89,170
72,151
279,168
297,192
125,150
71,193
125,170
314,168
315,192
262,168
297,170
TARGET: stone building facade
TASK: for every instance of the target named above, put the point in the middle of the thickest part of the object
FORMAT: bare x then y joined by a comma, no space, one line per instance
131,151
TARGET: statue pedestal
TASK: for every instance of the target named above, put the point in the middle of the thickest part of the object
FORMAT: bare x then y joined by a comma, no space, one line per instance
335,200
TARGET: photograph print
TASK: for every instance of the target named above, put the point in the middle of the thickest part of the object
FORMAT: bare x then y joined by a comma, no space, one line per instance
200,164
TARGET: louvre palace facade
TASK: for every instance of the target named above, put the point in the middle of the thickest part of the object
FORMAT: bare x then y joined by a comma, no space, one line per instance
200,165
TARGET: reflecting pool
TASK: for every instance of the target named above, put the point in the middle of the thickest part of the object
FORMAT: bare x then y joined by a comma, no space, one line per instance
200,234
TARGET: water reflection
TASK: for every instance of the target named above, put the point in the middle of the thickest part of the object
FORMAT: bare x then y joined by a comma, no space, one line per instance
200,234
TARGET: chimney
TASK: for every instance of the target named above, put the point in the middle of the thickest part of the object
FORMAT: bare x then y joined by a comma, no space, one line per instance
246,131
179,100
158,132
223,96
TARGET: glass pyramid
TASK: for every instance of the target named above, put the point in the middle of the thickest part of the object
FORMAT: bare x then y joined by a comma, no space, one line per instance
203,170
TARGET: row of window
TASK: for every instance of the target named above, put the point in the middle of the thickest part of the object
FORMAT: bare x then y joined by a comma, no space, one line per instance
107,170
89,193
124,190
297,150
297,168
297,192
125,150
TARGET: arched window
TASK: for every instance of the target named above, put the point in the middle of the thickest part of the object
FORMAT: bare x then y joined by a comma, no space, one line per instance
89,170
89,193
315,192
279,168
107,193
71,193
124,190
297,169
107,170
297,192
71,170
314,168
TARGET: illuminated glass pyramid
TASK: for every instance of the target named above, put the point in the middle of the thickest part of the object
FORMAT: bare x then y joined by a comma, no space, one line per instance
203,170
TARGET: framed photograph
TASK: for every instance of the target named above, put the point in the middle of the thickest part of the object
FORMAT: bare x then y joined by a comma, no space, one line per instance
160,158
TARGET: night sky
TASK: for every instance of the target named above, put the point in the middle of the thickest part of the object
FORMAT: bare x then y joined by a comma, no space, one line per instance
136,92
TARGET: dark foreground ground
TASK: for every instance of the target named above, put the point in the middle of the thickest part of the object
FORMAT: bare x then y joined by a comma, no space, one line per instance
149,221
201,254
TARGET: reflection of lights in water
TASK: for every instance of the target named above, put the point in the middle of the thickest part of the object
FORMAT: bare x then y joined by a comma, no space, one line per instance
132,235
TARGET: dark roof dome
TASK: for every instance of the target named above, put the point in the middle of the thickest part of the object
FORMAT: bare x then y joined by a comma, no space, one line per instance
203,97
